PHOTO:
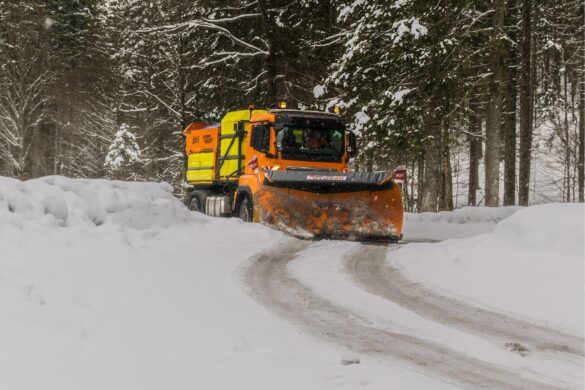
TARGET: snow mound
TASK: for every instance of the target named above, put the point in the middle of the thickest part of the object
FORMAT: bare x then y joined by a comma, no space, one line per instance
459,223
64,202
88,302
532,265
554,229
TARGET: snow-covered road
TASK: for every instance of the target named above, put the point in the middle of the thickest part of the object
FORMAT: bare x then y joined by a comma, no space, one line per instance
116,285
368,267
274,281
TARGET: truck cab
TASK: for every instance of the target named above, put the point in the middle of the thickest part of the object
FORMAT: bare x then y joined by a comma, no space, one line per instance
293,140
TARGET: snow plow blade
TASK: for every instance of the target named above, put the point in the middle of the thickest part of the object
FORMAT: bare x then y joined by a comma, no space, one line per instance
356,206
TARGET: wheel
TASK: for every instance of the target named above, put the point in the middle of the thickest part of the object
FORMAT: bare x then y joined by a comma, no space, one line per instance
246,213
195,204
197,201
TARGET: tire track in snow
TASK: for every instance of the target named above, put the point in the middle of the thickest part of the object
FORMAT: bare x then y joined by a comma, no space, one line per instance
269,282
369,269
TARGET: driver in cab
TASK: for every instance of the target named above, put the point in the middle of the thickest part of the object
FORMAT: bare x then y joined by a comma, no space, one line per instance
315,140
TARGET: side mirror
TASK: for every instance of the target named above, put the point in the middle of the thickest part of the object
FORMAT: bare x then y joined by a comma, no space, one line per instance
260,139
352,150
399,175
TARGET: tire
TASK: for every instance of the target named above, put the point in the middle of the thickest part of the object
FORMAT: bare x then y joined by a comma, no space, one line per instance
195,205
246,212
197,202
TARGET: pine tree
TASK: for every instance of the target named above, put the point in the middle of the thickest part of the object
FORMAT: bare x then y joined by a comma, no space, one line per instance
407,88
123,154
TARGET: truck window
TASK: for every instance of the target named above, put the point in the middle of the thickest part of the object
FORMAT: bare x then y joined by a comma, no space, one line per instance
260,138
310,143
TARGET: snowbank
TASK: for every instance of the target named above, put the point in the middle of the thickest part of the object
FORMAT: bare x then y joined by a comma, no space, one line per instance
113,285
67,202
464,222
531,265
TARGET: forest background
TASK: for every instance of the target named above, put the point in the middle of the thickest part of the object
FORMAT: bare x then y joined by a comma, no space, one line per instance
482,101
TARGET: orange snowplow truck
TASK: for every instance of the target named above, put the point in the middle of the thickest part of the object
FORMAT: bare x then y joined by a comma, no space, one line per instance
289,169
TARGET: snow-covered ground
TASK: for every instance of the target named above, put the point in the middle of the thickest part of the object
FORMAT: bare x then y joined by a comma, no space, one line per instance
113,285
460,223
327,268
532,265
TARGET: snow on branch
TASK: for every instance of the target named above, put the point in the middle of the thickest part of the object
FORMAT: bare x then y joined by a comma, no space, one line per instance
251,50
233,19
225,57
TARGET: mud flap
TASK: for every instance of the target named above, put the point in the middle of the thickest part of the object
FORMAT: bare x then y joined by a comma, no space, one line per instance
314,204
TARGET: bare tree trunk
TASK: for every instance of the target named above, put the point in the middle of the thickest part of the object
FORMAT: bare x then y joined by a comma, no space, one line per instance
405,191
494,110
273,62
567,142
432,177
446,171
420,185
526,104
581,162
411,193
182,82
474,149
510,108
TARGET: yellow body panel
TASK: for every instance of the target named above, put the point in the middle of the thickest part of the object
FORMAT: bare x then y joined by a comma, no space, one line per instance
233,117
201,147
200,176
196,162
201,160
228,168
228,127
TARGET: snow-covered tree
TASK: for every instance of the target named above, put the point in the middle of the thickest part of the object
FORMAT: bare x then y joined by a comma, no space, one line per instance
414,78
25,78
403,78
123,154
82,94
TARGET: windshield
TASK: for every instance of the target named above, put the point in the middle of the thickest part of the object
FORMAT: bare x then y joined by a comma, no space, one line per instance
310,143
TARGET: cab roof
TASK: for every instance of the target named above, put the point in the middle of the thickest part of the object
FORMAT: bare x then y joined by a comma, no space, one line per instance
310,113
307,118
